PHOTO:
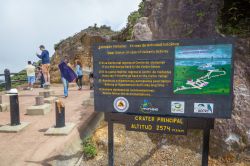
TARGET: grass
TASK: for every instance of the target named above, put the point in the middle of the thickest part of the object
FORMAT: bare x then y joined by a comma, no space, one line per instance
218,85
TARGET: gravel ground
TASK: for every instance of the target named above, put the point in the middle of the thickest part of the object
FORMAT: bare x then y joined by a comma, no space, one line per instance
142,149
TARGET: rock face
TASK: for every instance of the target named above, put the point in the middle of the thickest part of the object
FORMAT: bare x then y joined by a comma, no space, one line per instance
234,134
181,19
78,48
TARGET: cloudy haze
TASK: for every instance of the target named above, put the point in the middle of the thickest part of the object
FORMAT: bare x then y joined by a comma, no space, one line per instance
25,24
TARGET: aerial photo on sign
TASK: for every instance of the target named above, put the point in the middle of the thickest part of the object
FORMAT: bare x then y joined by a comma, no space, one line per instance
203,69
187,78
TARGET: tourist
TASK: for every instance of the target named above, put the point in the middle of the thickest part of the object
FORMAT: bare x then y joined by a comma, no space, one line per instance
45,64
40,76
67,75
79,74
30,70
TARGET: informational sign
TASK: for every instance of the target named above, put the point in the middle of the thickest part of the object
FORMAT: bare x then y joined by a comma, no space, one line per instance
157,124
187,78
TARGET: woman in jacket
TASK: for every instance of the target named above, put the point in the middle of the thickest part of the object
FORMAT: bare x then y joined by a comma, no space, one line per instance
79,74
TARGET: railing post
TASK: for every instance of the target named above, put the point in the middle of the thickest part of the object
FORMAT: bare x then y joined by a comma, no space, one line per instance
60,114
14,110
111,143
7,79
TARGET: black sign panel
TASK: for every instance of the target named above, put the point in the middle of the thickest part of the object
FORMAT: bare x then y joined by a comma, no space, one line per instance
187,78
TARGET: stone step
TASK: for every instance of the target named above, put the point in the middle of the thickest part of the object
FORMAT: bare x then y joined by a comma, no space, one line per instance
4,107
61,131
13,129
44,93
38,109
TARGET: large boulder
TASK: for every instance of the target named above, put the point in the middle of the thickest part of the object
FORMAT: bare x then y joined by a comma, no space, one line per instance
141,30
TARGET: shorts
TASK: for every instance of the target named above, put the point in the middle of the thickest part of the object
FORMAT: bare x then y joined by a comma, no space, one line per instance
31,79
45,68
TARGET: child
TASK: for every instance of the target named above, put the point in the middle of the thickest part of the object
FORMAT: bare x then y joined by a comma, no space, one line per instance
30,70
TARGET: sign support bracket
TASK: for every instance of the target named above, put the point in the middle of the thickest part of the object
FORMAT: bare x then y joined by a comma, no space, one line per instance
111,143
205,148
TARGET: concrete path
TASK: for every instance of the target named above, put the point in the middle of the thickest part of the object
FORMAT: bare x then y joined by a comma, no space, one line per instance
31,147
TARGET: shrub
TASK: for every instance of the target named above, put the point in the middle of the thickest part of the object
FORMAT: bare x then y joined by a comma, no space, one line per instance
89,148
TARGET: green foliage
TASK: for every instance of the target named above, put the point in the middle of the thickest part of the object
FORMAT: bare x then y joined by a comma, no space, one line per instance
105,27
126,33
235,18
133,17
141,8
89,148
103,30
21,76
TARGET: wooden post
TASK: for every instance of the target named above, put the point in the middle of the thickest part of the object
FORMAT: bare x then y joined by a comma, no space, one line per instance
46,94
205,150
60,114
111,143
39,100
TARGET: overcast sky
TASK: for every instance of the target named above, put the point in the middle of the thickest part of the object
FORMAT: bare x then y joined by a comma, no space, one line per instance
25,24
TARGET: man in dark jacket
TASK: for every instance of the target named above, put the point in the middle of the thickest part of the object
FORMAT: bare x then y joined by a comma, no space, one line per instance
45,64
67,75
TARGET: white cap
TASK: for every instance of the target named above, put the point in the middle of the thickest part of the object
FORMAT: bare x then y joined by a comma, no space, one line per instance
12,91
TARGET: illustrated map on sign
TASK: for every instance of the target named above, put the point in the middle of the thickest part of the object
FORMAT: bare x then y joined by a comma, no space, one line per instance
202,69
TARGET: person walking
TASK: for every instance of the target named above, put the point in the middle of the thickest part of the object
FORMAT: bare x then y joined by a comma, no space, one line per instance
31,73
67,75
45,64
79,74
40,76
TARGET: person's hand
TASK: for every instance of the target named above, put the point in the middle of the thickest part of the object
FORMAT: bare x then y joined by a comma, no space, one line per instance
37,53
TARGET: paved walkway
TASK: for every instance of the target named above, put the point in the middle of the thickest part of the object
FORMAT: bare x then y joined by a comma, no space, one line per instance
31,147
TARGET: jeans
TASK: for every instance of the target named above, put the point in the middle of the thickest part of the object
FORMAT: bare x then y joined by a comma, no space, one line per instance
65,86
31,80
79,81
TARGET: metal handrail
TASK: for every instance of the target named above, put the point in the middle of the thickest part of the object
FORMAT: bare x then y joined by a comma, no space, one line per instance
14,74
